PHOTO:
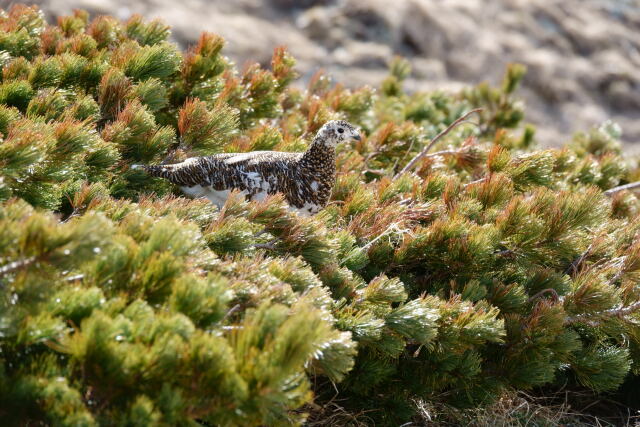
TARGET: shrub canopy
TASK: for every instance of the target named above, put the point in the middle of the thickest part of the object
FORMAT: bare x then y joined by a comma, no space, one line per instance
492,265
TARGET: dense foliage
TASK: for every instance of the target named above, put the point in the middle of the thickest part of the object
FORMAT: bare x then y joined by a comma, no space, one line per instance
491,266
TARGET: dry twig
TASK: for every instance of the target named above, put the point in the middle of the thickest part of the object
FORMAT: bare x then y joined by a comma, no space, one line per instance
575,265
477,181
16,265
552,291
592,319
426,149
630,186
269,245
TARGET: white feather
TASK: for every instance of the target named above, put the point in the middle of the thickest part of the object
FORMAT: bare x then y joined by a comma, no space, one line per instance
307,209
238,158
217,197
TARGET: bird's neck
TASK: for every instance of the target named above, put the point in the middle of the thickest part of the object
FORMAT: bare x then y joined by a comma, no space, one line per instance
319,157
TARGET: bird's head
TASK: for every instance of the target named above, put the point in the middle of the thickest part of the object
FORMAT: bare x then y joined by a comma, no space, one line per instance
336,131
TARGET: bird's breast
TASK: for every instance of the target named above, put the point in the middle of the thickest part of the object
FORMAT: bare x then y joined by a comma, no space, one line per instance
217,197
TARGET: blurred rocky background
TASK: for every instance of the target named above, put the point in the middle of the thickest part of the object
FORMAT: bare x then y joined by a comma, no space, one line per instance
583,56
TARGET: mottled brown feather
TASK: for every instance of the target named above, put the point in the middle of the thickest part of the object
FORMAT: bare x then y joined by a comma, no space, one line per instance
305,179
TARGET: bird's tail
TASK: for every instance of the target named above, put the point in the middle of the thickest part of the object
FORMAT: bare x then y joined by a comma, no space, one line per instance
161,171
185,173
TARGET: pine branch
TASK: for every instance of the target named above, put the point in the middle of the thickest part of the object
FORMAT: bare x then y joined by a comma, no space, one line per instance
630,186
426,149
595,319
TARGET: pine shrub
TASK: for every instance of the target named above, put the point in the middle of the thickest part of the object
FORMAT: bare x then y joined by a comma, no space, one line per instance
492,266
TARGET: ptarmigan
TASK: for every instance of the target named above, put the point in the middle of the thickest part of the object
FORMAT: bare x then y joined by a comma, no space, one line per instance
305,179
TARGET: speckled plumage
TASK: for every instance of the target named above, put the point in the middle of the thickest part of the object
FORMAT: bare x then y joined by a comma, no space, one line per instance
305,179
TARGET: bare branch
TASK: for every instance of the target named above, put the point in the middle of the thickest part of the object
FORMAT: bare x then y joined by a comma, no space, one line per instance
575,265
269,245
393,227
594,319
630,186
260,233
505,252
477,181
616,277
426,149
16,265
552,291
232,310
171,154
442,153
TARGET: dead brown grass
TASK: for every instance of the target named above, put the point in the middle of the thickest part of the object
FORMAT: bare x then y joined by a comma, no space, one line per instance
567,409
521,409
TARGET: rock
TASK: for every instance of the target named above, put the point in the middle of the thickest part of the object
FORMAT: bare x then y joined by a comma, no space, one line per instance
316,22
363,55
374,20
299,4
429,69
424,30
623,95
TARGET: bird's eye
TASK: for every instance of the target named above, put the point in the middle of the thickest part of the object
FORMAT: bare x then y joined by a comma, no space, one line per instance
340,130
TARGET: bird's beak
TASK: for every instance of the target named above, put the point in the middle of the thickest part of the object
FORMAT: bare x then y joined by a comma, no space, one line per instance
357,137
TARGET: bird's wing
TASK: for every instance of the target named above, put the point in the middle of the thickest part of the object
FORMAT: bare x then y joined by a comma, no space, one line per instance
224,171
